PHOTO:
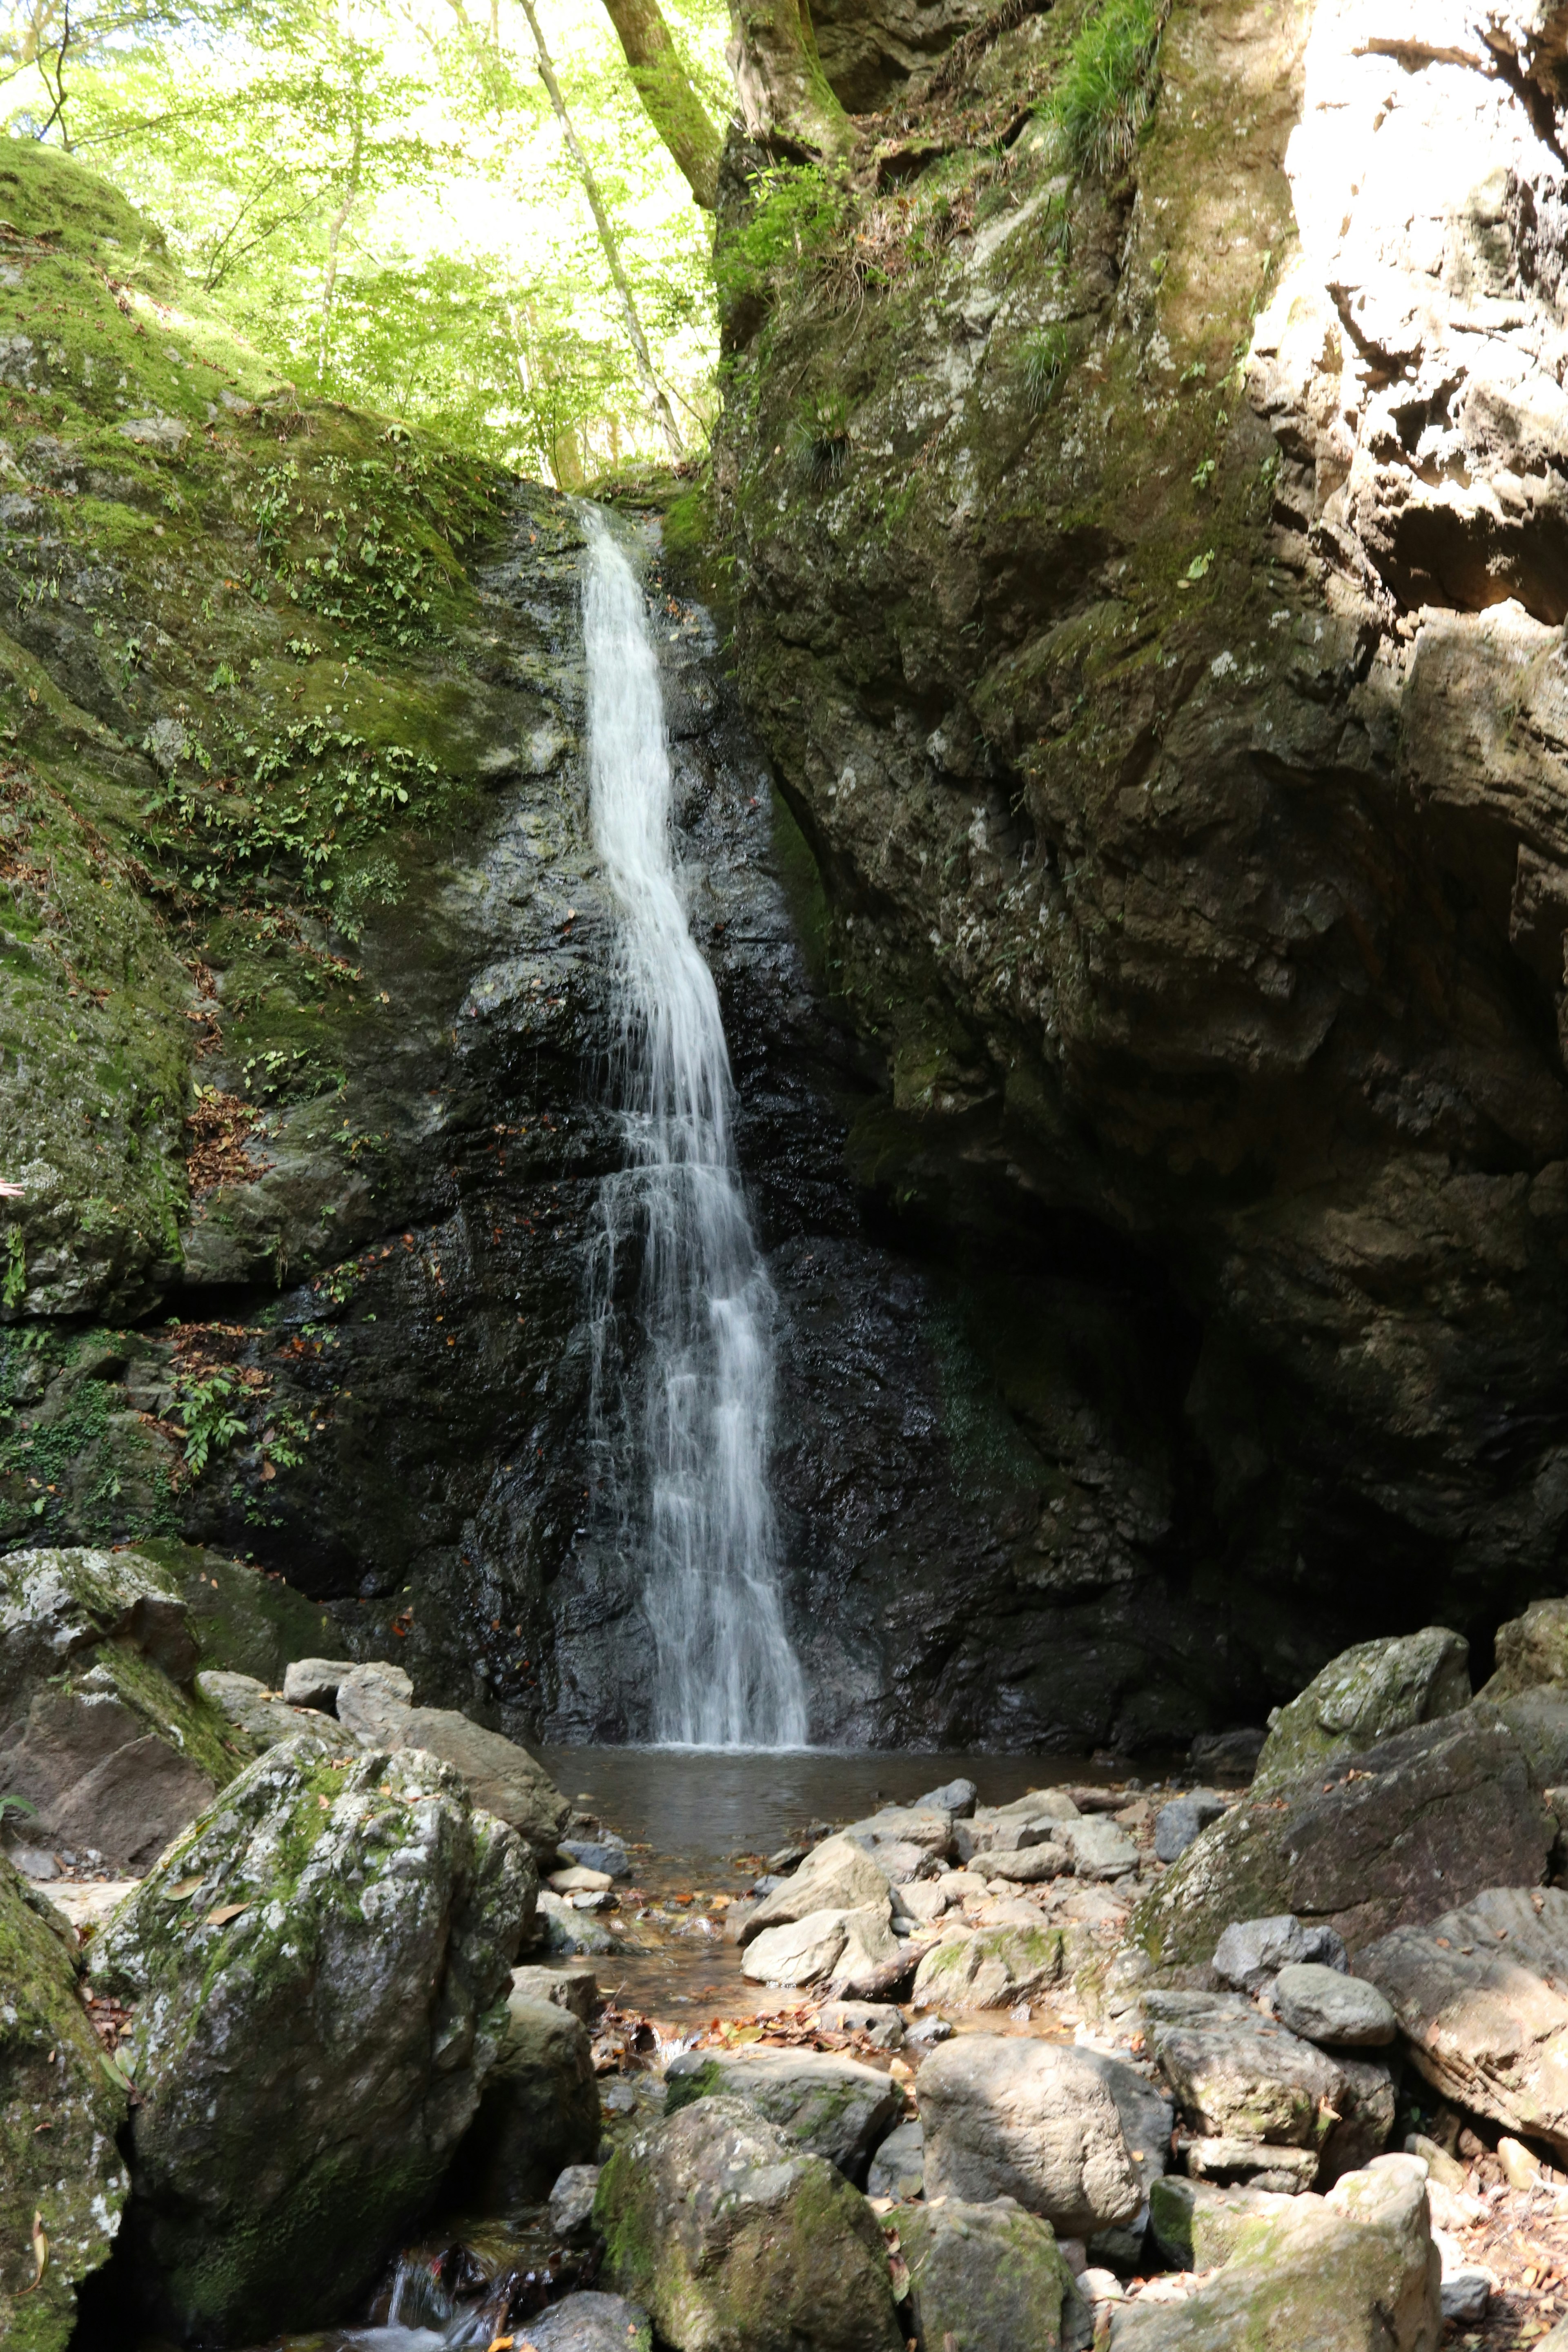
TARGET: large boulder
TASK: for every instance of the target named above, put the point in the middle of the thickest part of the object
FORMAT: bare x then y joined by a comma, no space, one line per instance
984,2278
1538,1719
1356,2271
57,1603
539,2110
1531,1650
318,1970
829,2105
590,2323
1364,1844
1147,2115
1364,1695
1336,2010
1481,1994
735,2240
990,1968
1236,2074
1013,2117
66,2182
836,1876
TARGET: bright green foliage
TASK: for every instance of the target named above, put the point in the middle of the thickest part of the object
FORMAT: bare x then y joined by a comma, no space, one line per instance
1107,91
1043,359
209,1421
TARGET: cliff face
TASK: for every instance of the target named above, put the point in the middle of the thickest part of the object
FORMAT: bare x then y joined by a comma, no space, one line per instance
1150,586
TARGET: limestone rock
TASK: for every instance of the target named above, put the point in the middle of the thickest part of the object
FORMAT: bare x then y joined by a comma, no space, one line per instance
1261,2167
1366,1694
1030,1866
836,1876
1531,1650
736,2242
1355,2270
375,1699
828,2105
1236,2073
982,2277
318,1970
990,1968
538,2112
1326,2006
1198,2225
1367,1844
70,2176
571,1985
313,1681
927,1826
1480,1996
1007,2117
252,1707
571,2199
871,1951
898,2168
1099,1848
591,2323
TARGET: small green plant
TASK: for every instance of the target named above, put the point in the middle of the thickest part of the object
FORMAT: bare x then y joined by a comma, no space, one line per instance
822,440
1107,86
1205,474
14,1282
1043,363
208,1421
19,1806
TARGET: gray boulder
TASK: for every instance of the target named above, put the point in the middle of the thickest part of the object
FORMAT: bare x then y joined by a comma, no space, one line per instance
570,1984
1176,1824
1365,1844
800,1952
898,2168
1531,1650
607,1855
264,1719
100,1777
831,2105
957,1798
1356,2271
984,2278
1236,2074
1099,1848
567,1933
571,2199
1364,1695
59,1603
1251,1952
879,2020
1539,1722
538,2113
1326,2006
1007,2117
70,2176
591,2323
732,2237
904,1826
990,1968
1482,1995
837,1875
319,1972
1031,1866
1147,2116
313,1683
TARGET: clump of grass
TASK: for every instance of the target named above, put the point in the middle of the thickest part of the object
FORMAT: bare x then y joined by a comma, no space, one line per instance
1043,363
822,440
1108,87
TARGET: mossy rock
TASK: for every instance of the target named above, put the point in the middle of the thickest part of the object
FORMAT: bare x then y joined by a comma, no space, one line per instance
1365,1695
982,2276
61,2103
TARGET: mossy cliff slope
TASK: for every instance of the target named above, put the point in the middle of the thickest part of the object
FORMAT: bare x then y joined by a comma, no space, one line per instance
1149,565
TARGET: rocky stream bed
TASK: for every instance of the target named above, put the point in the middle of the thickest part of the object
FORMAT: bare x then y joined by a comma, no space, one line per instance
387,2039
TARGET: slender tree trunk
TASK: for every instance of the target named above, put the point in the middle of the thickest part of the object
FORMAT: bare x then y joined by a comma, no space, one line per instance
785,94
334,238
672,106
663,415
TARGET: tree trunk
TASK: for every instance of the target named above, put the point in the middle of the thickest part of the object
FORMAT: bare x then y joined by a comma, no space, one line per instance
672,106
785,94
334,236
652,393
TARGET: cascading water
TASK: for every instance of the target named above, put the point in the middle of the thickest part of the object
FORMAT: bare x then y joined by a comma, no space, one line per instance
681,1417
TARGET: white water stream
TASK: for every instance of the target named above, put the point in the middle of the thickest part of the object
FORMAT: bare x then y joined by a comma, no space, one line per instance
682,1402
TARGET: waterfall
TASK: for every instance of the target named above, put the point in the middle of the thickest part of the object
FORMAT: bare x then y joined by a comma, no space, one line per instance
683,1400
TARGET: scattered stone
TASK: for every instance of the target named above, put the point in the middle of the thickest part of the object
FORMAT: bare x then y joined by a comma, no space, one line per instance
1368,1843
539,2111
839,1876
925,1902
568,1932
1031,1864
591,2323
897,1825
605,1854
903,1865
873,1959
1099,1848
798,1953
1519,2168
1481,1997
1531,1650
1355,2270
572,2201
829,2104
1029,2120
879,2021
1251,1952
1366,1694
986,2277
576,1988
1324,2005
70,2176
1197,2224
313,1681
1237,2075
731,2235
1177,1823
990,1968
957,1798
578,1880
1465,2289
898,2168
318,1970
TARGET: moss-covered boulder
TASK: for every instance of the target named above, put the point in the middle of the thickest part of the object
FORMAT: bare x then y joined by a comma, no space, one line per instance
736,2242
57,1603
1531,1650
538,2113
62,2183
990,1967
320,1971
1365,1695
983,2276
828,2105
